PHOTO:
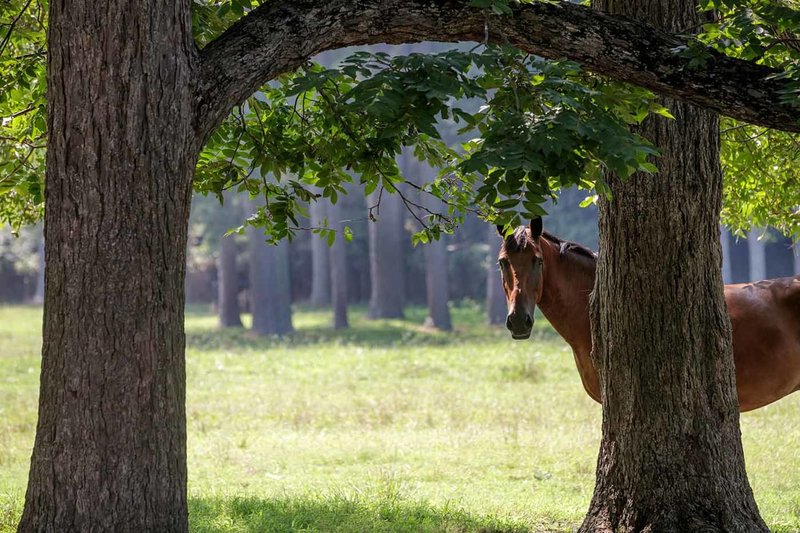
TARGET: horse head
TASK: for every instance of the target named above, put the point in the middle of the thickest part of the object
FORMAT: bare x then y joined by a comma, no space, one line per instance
521,261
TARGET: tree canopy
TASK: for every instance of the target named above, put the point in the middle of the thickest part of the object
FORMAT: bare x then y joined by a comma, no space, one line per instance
544,109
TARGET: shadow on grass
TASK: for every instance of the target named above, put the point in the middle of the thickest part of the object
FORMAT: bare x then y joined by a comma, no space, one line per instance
338,514
362,332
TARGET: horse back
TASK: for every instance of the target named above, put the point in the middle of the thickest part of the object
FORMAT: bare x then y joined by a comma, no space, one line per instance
765,316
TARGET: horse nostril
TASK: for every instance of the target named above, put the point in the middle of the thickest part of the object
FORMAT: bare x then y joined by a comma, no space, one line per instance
529,322
508,323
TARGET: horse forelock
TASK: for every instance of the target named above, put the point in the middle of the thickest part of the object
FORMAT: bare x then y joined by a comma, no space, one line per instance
517,241
521,240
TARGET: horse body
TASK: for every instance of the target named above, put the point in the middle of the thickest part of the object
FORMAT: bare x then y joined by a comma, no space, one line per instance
765,316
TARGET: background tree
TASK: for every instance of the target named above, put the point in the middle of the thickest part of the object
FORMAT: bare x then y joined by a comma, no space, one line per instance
758,257
496,309
270,282
435,252
338,268
227,270
320,268
387,238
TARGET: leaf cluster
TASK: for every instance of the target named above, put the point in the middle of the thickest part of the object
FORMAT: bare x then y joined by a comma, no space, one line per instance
536,126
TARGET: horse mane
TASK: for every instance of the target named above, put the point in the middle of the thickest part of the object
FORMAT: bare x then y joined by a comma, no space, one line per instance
565,247
520,240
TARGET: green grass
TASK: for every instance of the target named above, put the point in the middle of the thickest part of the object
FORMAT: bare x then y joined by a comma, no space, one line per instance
385,427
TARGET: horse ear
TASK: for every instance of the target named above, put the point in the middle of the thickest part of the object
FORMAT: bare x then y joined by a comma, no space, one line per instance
536,227
501,230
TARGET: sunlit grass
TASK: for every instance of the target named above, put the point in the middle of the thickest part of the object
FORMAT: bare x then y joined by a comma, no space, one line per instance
384,427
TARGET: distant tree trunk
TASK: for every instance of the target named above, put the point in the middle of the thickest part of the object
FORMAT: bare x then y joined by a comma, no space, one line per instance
796,249
727,269
228,215
386,257
228,284
671,456
496,308
110,448
270,282
758,256
338,268
320,271
436,279
38,295
436,264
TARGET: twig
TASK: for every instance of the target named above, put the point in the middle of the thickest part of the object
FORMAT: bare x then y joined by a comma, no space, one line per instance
11,26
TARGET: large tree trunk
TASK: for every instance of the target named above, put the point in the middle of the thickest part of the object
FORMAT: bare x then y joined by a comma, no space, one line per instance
270,283
320,257
338,268
671,455
496,307
110,449
386,258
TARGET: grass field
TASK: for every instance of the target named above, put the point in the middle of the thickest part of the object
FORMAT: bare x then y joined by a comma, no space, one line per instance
385,427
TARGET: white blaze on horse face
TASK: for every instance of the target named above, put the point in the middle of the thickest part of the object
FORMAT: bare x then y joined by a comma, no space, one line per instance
520,274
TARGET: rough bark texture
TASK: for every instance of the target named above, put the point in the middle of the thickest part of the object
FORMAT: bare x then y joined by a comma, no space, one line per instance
386,260
270,298
320,270
338,268
110,449
671,457
496,307
281,34
758,255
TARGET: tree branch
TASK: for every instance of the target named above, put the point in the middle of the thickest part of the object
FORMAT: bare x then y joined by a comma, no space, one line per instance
280,35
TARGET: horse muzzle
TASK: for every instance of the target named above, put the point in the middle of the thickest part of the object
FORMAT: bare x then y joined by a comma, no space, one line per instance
520,325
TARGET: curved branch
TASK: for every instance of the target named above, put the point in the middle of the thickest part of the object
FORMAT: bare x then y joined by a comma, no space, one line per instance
281,34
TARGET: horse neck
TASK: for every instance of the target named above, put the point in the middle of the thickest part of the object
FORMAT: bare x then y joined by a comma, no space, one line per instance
568,280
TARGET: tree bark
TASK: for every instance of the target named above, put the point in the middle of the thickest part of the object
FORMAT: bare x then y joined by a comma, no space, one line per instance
270,282
671,456
496,307
320,269
280,35
110,448
386,258
758,256
338,268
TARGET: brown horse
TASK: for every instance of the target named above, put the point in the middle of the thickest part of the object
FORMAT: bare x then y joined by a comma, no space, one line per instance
540,269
